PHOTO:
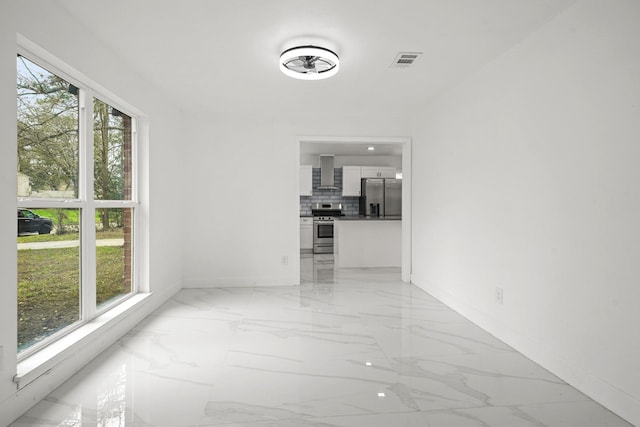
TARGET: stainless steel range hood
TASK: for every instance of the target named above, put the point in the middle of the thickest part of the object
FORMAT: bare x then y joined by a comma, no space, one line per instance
326,172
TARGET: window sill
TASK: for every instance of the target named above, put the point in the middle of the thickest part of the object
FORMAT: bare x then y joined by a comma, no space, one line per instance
42,362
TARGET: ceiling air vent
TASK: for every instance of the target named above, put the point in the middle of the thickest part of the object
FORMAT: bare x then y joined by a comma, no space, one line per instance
405,59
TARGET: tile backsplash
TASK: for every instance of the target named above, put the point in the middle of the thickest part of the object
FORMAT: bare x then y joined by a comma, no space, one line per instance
350,204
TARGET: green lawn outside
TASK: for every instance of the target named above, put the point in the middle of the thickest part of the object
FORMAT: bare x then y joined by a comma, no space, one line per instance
48,292
48,286
71,219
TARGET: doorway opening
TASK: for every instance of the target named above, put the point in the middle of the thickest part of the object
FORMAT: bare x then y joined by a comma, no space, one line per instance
355,153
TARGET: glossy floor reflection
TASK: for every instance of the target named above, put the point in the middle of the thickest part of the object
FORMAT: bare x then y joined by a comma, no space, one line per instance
346,348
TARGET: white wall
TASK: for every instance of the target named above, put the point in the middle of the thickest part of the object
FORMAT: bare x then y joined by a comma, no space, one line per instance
161,137
528,180
243,194
8,185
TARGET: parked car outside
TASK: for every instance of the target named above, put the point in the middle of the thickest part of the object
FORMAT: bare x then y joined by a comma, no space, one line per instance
29,222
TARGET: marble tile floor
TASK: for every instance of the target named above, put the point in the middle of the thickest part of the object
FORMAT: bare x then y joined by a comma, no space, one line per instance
346,348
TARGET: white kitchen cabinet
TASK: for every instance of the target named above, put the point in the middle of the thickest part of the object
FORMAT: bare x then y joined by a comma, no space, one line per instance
306,180
306,233
351,180
387,172
378,172
369,172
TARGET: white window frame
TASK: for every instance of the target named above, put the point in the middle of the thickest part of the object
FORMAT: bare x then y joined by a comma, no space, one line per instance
85,200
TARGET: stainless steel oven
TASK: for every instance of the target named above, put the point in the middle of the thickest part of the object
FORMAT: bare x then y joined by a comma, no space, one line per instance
323,214
323,235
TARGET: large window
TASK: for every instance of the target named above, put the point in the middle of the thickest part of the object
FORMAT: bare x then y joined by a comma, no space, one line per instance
76,204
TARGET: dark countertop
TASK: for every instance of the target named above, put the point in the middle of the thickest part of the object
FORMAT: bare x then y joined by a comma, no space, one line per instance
361,218
369,218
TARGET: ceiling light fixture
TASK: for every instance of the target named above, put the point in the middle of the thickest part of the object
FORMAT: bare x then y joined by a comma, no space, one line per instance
371,148
309,63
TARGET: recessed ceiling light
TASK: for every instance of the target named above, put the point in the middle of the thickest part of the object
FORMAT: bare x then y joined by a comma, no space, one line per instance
371,148
309,63
381,394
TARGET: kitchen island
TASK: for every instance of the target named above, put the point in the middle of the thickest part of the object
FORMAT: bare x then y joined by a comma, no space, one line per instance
365,242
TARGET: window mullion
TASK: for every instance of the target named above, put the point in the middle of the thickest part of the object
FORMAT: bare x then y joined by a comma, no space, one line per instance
99,204
88,229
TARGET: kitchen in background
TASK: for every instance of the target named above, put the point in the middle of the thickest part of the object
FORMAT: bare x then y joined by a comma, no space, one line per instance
350,205
330,186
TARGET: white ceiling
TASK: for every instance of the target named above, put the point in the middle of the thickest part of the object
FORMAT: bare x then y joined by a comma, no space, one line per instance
350,149
222,55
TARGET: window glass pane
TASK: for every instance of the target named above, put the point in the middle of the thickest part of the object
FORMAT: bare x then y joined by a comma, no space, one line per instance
47,133
114,246
111,153
48,272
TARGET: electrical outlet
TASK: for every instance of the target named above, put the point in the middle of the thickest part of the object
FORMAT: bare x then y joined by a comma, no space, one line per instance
285,260
499,295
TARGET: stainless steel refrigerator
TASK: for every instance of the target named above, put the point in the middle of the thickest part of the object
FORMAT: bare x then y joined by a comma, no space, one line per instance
392,197
381,197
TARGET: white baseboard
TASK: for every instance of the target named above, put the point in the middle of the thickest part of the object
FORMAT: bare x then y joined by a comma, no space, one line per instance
237,282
